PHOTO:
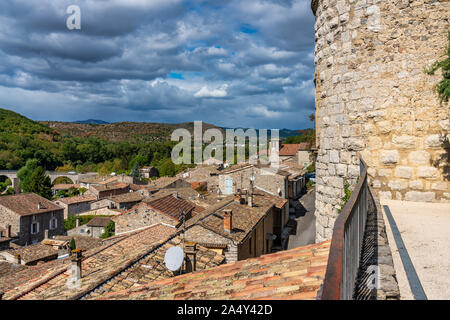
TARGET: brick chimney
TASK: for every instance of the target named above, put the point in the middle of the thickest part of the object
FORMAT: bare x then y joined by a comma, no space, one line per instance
228,220
76,264
191,255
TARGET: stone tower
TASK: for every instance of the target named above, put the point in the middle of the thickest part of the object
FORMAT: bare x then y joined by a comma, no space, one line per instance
374,100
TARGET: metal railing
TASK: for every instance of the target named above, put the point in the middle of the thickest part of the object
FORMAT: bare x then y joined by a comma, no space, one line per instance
346,243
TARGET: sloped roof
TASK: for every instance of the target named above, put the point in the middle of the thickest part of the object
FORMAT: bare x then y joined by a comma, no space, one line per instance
65,186
245,218
171,206
35,252
49,280
127,197
111,186
153,268
294,274
27,204
99,222
77,199
291,149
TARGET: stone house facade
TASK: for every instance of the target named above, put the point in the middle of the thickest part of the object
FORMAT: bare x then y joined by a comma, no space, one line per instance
29,215
75,205
165,210
239,230
374,100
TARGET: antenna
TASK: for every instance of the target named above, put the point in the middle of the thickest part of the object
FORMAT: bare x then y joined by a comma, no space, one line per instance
174,258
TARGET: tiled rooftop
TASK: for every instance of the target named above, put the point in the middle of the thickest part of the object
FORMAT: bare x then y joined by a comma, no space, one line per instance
292,149
99,222
152,268
65,186
34,253
171,206
245,218
295,274
77,199
110,186
27,204
127,197
49,280
82,242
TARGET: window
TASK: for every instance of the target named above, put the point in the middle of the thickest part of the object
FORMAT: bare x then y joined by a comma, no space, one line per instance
53,222
34,225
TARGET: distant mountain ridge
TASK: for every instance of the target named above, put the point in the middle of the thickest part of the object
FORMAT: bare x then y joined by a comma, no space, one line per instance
90,121
283,133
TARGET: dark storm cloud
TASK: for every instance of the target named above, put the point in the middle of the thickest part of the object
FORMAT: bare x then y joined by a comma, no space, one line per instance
232,63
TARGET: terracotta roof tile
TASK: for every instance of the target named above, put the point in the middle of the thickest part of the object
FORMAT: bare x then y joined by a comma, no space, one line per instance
99,222
273,276
77,199
152,268
49,280
171,206
292,149
27,204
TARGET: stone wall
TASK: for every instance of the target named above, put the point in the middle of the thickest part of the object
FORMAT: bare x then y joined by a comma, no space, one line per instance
374,99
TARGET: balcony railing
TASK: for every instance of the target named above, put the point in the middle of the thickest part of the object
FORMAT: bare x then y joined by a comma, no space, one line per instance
346,243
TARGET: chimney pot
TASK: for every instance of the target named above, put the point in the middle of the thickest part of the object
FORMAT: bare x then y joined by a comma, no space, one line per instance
228,220
19,260
77,222
46,234
191,255
76,263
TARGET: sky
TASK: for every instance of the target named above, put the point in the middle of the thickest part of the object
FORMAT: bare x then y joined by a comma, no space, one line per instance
231,63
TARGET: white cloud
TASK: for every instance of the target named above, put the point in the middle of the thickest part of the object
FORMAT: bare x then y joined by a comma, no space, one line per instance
205,92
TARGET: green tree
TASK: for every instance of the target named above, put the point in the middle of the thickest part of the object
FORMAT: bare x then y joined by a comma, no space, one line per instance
40,183
109,230
135,173
167,169
72,244
24,174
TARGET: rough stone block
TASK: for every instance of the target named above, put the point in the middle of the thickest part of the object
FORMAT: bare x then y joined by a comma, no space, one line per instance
419,157
427,172
420,196
404,141
398,184
389,156
416,184
403,172
433,141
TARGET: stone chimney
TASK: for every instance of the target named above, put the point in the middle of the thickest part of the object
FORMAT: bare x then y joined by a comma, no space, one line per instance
76,264
191,255
228,220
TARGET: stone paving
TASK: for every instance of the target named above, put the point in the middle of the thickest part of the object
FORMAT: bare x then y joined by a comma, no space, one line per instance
424,229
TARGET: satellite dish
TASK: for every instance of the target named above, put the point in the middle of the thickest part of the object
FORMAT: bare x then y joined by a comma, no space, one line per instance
174,258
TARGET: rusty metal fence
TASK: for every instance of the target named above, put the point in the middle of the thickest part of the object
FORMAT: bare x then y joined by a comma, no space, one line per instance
346,243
